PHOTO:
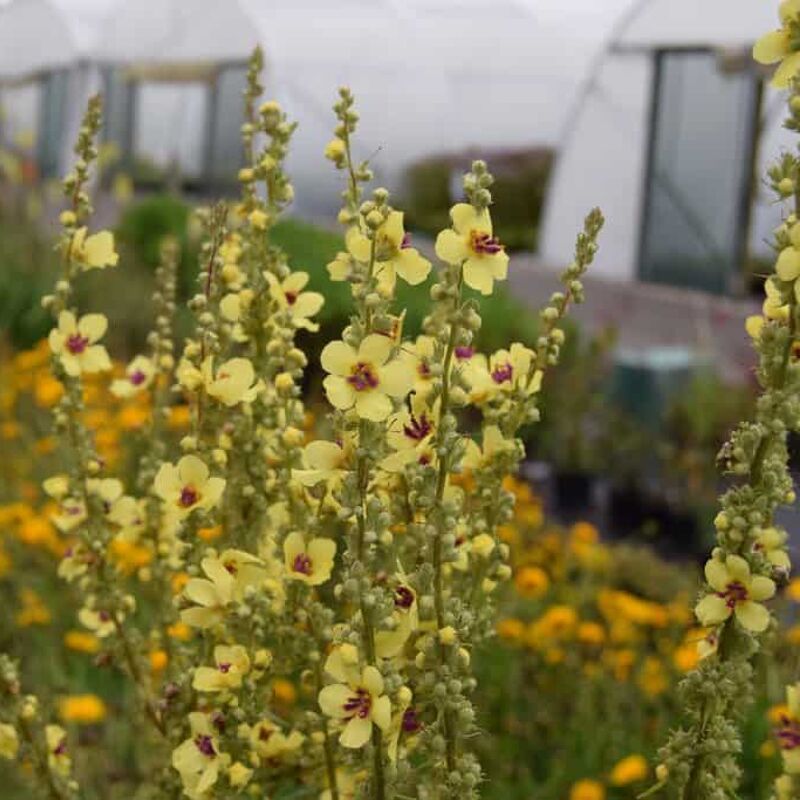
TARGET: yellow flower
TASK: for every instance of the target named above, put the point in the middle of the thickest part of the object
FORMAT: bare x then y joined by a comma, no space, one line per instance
101,622
531,582
138,376
778,46
198,759
389,644
232,664
394,254
365,379
83,709
228,577
187,486
494,444
235,381
587,790
737,592
239,775
788,730
358,701
73,341
772,543
95,251
81,642
290,297
270,742
9,741
631,769
57,755
470,242
410,434
310,563
324,461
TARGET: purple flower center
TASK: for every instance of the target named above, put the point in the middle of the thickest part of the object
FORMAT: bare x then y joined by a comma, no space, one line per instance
502,373
291,297
302,564
485,244
358,704
189,496
411,723
403,597
104,616
76,343
362,377
225,667
137,377
464,353
264,734
406,241
61,748
205,745
788,734
418,429
230,567
735,592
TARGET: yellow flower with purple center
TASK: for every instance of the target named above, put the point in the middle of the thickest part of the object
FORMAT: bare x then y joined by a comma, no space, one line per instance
231,665
138,376
410,433
187,486
325,461
233,382
787,730
290,297
735,592
472,244
58,757
74,341
198,759
310,562
782,45
394,255
358,701
365,379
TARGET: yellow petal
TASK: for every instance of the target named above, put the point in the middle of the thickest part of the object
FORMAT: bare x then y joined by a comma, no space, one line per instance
337,358
752,616
373,406
411,266
358,245
375,349
761,588
712,610
788,264
356,733
100,250
339,392
477,275
451,247
717,575
466,219
93,326
332,700
786,71
771,47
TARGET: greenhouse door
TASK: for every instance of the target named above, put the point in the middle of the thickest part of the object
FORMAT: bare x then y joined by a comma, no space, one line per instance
699,173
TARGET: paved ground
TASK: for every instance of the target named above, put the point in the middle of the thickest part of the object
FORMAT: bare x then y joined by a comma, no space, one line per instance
652,316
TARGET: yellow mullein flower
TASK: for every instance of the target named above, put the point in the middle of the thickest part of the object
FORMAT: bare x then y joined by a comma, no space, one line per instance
737,592
73,341
423,352
779,46
631,769
394,254
83,709
270,742
228,577
339,269
788,731
232,664
234,382
410,434
404,720
290,296
772,543
357,701
365,379
325,461
100,622
138,376
311,563
494,443
9,741
389,644
57,755
95,251
198,759
470,242
187,486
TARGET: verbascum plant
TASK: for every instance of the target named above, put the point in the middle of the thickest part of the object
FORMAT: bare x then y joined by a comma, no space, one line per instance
700,760
297,613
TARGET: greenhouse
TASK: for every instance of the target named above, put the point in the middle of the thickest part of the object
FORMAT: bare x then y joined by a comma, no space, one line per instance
673,100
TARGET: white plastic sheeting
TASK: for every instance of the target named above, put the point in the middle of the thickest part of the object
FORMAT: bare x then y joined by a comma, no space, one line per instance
430,76
604,156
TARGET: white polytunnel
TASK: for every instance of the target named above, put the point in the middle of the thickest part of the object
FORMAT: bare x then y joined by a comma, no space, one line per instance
47,73
669,131
429,76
